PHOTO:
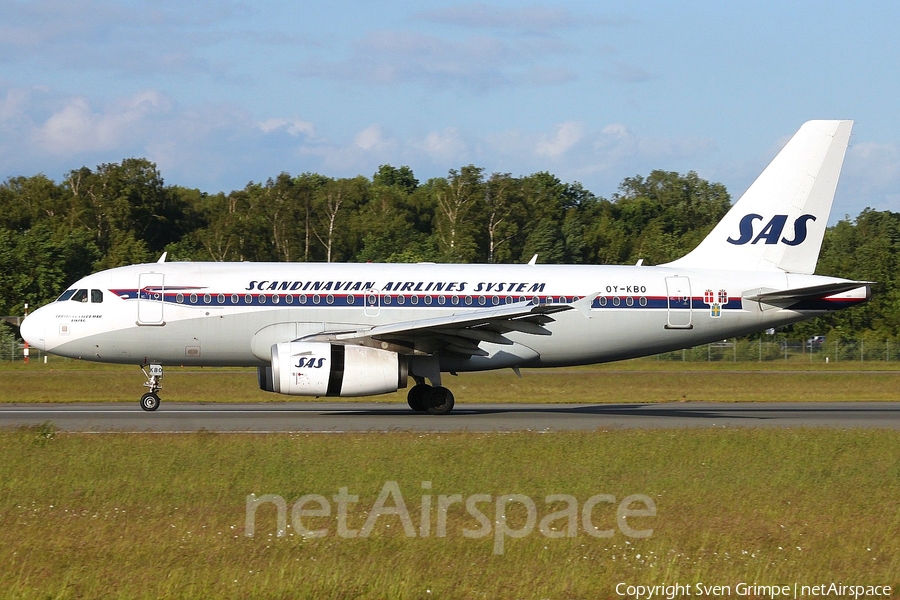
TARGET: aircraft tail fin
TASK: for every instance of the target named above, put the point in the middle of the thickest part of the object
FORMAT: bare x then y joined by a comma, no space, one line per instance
780,221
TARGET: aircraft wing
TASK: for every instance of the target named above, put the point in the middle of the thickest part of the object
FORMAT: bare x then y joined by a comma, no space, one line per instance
460,333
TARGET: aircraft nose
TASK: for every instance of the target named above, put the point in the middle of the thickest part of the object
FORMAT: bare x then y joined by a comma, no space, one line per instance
32,330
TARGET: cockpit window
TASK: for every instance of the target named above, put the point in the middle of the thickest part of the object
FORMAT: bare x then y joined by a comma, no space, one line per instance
96,296
80,296
65,295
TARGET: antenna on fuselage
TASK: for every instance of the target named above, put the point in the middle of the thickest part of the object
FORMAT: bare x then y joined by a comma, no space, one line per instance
162,258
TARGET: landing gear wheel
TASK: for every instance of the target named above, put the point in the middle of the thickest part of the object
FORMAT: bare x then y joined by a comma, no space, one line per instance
440,401
417,398
149,401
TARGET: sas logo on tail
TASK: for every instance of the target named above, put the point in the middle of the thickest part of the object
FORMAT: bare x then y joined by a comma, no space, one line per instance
771,233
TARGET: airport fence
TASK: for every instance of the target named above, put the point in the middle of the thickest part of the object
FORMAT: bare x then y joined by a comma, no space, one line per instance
12,351
817,349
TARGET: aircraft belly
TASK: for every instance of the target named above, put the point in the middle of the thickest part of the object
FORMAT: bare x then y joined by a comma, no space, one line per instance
211,342
607,335
611,335
499,357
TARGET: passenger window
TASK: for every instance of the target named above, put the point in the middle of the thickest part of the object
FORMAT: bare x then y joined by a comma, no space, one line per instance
96,296
80,296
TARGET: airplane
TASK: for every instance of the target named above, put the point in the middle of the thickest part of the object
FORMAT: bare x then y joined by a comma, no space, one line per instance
325,329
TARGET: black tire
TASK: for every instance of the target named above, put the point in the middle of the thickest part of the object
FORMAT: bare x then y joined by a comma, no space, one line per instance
440,401
149,401
418,396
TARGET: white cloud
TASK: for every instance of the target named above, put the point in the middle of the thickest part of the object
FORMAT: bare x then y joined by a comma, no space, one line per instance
13,105
444,147
879,163
566,136
599,158
535,19
133,38
76,127
615,131
624,72
372,139
220,147
294,127
473,63
206,146
870,178
616,144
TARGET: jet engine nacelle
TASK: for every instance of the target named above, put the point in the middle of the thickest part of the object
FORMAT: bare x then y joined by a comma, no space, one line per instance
322,369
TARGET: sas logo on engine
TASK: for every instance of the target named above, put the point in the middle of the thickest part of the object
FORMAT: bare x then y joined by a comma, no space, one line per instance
309,363
771,232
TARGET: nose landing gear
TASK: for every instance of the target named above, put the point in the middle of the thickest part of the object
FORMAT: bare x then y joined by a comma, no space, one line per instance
150,400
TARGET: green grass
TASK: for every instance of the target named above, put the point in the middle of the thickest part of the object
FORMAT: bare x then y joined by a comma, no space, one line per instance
148,516
643,380
141,515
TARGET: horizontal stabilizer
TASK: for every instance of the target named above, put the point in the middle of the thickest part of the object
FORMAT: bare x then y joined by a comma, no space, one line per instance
795,295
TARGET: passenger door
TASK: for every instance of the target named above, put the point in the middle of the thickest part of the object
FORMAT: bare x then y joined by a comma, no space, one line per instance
151,291
678,293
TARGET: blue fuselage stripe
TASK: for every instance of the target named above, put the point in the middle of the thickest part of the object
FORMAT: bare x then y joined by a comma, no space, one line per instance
389,300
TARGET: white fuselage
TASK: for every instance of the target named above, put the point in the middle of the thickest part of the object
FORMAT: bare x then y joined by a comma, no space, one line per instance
221,314
361,329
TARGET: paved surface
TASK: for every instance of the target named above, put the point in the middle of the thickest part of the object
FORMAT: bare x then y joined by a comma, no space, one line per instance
355,416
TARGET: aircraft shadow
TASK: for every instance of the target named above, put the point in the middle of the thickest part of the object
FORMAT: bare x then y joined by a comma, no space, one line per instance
676,411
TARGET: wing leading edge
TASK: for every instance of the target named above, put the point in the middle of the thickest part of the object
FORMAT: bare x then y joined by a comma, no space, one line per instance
457,333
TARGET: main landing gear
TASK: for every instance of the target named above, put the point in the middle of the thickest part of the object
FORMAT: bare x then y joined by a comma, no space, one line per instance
150,400
433,400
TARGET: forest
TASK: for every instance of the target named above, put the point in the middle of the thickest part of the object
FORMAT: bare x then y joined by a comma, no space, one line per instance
53,233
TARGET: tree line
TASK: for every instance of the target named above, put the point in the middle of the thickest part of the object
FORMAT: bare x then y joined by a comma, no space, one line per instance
53,233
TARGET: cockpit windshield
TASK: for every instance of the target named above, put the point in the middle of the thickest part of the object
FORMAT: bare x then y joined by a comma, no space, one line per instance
96,296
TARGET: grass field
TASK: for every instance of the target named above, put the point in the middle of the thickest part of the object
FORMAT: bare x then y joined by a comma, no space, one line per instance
163,516
630,381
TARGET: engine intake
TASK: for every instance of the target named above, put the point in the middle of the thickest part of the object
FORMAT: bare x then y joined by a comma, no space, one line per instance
322,369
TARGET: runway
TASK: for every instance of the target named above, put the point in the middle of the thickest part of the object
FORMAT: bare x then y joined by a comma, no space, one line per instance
337,417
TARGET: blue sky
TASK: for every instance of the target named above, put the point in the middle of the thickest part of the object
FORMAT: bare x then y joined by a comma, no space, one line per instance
219,93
